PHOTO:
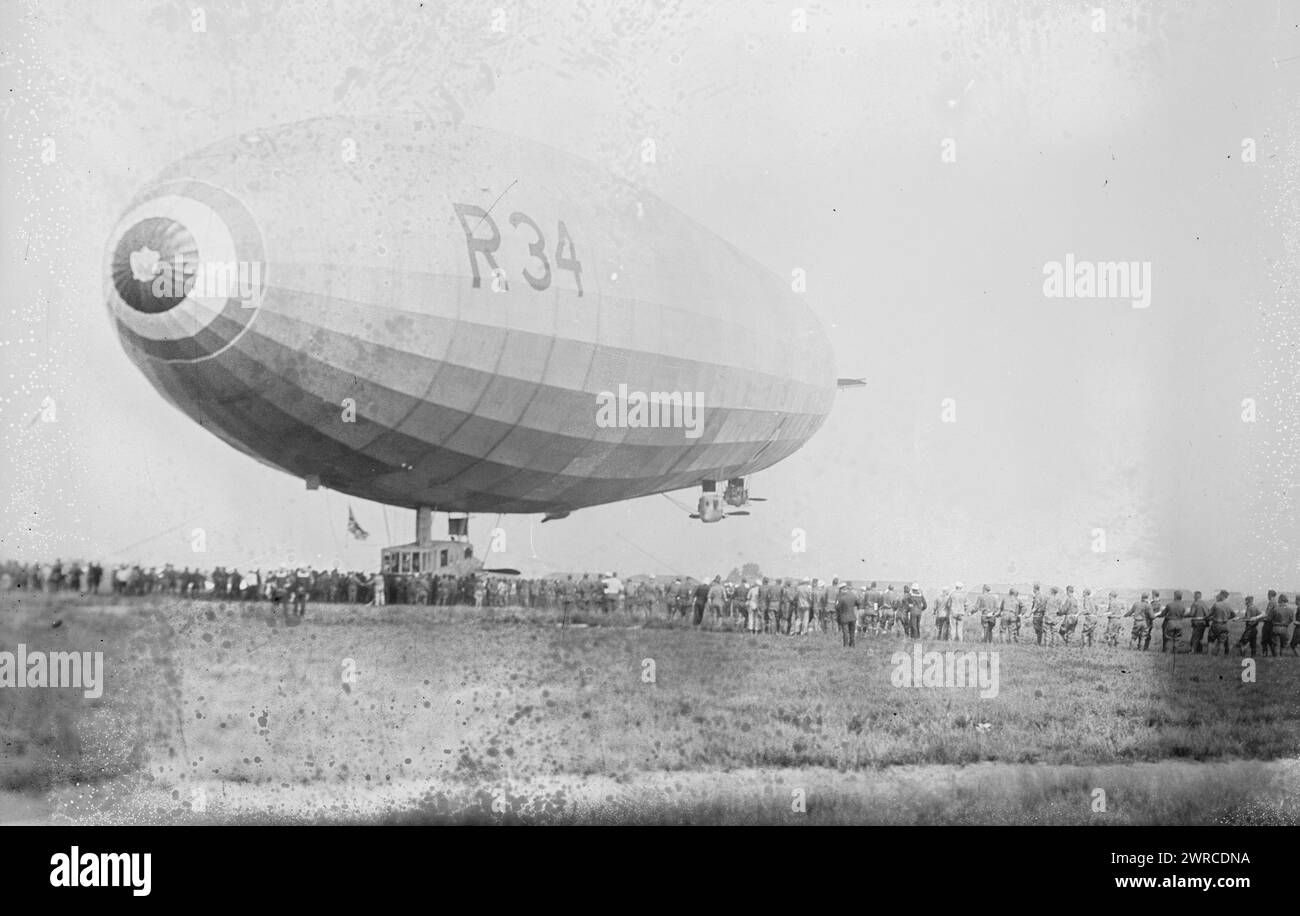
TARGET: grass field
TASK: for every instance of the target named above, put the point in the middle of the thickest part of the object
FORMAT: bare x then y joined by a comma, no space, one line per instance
218,712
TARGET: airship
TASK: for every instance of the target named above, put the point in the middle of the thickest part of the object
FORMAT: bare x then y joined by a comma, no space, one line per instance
449,318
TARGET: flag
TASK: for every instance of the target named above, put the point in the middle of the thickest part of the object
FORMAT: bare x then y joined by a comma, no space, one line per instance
355,529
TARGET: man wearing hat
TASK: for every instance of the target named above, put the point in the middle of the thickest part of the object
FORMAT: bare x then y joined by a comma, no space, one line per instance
846,614
988,609
914,606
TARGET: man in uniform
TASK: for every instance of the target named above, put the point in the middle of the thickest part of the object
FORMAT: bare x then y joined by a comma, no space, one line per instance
769,599
717,601
753,614
1200,619
1220,613
1038,612
1068,614
1266,630
1283,617
789,602
1139,614
821,603
988,609
957,608
1088,617
846,613
1013,606
914,606
1252,617
889,604
871,608
803,597
1171,628
701,599
942,614
1114,612
1053,614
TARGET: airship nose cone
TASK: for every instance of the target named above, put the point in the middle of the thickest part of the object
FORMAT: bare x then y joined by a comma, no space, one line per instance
185,272
153,265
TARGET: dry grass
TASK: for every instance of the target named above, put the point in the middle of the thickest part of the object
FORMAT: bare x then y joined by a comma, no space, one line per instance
450,707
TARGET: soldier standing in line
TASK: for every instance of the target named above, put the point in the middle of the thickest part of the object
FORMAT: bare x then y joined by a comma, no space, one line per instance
673,595
789,603
957,609
1171,627
1013,606
803,597
822,600
1283,617
1252,617
716,596
1141,627
1068,614
1038,612
1200,619
1114,612
1266,630
942,615
751,606
871,608
1220,613
701,599
1088,607
1053,615
914,606
987,606
767,604
846,614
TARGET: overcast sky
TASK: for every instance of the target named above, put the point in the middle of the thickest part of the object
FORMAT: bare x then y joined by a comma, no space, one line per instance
820,150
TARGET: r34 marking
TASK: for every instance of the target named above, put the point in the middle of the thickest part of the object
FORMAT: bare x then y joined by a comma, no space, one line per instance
472,217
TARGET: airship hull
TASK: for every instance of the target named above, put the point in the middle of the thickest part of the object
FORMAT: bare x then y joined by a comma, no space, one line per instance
432,315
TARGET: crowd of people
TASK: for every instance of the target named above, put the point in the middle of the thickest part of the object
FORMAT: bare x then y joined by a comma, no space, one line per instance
778,606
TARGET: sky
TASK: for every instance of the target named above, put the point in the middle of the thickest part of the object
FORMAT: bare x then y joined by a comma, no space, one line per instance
921,162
